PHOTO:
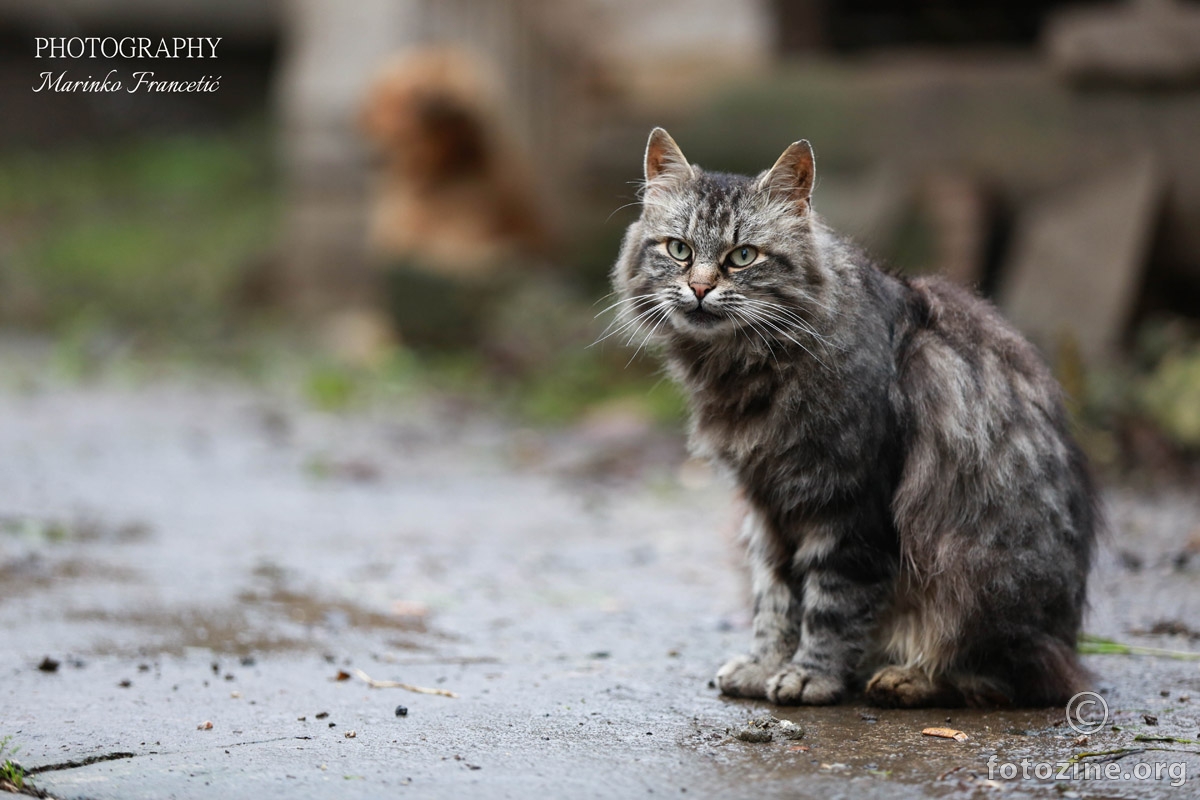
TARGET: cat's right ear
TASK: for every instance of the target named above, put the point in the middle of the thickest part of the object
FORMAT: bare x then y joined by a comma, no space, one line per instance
665,163
792,175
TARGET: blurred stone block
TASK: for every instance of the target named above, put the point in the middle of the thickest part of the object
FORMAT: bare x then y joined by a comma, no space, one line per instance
331,49
960,211
868,207
1145,42
1078,257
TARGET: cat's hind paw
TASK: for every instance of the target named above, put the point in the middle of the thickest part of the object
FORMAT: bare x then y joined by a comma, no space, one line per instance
908,687
795,686
743,676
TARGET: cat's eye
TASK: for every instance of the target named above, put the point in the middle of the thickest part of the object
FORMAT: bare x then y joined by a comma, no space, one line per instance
678,250
742,256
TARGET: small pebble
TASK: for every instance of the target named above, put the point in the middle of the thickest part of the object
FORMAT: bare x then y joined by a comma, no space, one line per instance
790,730
753,734
1150,719
757,730
351,734
48,665
401,711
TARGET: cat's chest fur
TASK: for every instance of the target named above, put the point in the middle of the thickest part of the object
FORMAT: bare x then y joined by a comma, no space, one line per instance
796,431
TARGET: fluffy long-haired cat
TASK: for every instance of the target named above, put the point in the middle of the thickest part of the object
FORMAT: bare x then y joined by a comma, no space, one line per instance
921,522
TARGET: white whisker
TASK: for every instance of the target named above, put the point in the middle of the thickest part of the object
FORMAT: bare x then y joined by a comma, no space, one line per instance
620,208
626,300
626,323
667,311
773,326
750,321
789,318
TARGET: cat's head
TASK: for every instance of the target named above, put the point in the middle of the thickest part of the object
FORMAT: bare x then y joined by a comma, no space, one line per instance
721,257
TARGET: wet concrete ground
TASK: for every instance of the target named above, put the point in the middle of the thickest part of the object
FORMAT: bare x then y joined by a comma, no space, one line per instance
194,552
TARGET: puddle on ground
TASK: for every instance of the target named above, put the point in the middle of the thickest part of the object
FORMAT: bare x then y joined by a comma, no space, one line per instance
77,529
34,571
261,621
309,609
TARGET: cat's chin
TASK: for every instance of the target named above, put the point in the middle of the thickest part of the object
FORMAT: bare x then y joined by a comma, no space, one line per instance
699,322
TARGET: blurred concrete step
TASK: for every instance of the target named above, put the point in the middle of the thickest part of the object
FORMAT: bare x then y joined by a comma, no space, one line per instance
1078,257
1144,42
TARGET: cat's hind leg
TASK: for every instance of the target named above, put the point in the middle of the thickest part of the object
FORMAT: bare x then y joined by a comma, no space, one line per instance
939,658
913,687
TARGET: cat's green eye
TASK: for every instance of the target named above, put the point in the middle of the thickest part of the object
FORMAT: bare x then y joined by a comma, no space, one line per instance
678,250
742,256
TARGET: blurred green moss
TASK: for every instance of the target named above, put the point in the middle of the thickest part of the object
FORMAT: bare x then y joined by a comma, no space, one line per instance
1140,415
157,234
560,390
579,383
331,388
1170,396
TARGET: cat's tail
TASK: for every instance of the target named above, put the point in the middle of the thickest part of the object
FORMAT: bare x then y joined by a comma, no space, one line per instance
1040,671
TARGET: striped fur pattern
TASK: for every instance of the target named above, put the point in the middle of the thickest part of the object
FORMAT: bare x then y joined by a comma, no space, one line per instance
922,523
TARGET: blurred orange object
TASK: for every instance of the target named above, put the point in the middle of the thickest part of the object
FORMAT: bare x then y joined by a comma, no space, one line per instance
455,195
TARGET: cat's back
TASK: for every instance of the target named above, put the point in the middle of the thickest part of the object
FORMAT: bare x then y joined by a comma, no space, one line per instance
959,357
988,434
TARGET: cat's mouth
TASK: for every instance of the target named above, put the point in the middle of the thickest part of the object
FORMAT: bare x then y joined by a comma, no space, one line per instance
702,318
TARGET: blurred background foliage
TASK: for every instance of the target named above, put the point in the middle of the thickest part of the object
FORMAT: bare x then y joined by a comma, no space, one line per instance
138,253
159,236
213,232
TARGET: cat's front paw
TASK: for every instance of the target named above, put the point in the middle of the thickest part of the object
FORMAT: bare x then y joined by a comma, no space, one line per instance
794,686
744,676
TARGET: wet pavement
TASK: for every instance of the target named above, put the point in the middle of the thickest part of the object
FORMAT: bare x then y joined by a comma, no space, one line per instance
194,552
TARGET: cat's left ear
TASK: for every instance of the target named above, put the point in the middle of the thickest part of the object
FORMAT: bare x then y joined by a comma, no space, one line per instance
792,175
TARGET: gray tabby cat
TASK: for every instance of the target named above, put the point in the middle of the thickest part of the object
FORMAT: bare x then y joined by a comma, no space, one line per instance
919,516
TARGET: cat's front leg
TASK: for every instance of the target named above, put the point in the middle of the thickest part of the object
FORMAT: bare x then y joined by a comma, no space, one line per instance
841,599
777,617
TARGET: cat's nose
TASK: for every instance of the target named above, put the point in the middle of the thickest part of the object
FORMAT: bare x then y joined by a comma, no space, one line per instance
700,289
